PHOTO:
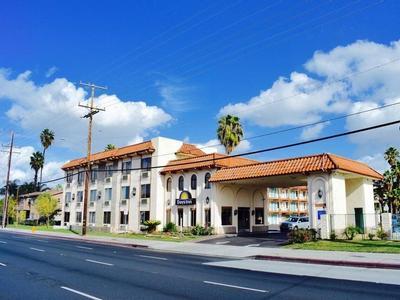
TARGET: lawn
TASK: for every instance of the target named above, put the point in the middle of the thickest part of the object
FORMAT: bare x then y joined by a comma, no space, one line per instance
157,236
351,246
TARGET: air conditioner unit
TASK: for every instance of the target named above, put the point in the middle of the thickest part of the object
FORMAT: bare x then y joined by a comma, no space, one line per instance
124,202
144,201
145,175
68,185
125,177
66,204
91,204
78,204
106,203
108,179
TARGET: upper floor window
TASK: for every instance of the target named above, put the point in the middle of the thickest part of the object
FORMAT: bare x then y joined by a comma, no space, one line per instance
145,191
145,163
181,183
93,175
193,182
125,192
93,195
69,177
169,183
207,181
109,171
108,194
81,175
126,167
68,197
79,196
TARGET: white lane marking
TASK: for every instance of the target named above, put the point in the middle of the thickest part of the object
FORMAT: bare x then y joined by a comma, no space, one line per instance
3,242
221,243
80,293
44,241
99,262
36,249
83,247
3,265
253,245
236,286
153,257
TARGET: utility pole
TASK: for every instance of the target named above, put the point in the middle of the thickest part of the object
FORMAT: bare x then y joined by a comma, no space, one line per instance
5,204
92,111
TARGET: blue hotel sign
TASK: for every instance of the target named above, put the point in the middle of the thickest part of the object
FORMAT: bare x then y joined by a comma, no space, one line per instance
185,198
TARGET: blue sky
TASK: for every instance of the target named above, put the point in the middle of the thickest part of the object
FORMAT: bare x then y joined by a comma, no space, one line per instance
172,67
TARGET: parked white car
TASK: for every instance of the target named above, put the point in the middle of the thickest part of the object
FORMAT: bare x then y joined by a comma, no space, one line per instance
295,223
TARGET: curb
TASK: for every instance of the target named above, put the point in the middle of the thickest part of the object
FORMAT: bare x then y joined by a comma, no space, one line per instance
359,264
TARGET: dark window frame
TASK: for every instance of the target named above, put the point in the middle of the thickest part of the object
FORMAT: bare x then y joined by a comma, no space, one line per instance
181,183
207,184
145,163
107,217
256,215
145,190
169,184
193,182
226,216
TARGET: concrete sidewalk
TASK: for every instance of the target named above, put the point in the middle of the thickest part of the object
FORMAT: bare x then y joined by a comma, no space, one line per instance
355,259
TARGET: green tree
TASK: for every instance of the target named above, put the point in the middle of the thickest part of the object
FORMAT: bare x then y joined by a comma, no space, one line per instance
46,205
229,132
11,208
110,147
36,163
46,138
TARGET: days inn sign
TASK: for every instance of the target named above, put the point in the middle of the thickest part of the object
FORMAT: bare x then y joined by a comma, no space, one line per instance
185,198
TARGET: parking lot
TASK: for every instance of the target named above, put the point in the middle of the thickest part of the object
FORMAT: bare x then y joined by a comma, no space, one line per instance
272,239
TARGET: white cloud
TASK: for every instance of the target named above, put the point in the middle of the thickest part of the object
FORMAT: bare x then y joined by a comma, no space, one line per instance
213,146
51,71
174,96
55,105
312,132
376,161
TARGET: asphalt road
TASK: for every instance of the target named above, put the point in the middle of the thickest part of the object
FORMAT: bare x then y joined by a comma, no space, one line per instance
272,239
34,267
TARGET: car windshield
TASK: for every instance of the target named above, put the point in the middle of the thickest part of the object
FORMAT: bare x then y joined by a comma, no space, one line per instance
292,219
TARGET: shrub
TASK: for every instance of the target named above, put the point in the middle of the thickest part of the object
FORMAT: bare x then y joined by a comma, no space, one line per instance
381,234
302,235
200,230
333,236
371,236
151,225
351,231
170,227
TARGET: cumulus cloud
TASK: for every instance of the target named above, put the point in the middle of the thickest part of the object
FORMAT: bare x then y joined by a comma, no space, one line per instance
54,105
174,96
376,161
312,131
213,146
51,71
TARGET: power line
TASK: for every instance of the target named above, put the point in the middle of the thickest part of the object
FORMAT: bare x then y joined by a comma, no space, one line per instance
329,137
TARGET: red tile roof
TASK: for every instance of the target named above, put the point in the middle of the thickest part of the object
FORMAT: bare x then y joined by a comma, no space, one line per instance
299,165
190,149
214,160
145,147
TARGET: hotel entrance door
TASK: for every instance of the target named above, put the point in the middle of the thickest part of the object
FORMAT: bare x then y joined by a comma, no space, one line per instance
243,219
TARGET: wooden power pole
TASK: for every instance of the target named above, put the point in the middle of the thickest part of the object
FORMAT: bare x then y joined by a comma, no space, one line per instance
92,111
5,204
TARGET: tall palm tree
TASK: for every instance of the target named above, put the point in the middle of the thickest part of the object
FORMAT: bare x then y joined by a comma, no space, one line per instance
37,162
229,132
46,138
391,156
110,147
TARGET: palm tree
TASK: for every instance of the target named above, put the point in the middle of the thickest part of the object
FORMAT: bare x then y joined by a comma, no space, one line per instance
110,147
46,138
37,162
391,156
229,132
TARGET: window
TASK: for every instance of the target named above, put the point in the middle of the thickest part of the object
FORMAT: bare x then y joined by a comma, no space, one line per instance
169,183
207,214
109,171
180,216
273,193
69,177
207,181
107,217
123,218
92,217
108,194
66,217
125,192
192,217
93,195
79,196
67,197
93,175
226,215
193,182
145,191
259,215
145,163
81,175
144,216
126,166
181,183
78,217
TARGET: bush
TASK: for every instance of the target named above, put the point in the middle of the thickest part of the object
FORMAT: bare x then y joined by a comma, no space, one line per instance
333,236
302,235
170,227
351,231
151,225
371,236
200,230
381,234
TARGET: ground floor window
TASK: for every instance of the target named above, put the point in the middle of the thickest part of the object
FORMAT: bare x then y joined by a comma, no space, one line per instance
192,217
259,215
78,217
66,216
144,216
226,215
92,217
207,214
107,217
123,220
180,216
168,215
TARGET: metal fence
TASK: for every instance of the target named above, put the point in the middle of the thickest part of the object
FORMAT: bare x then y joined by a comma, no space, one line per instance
396,227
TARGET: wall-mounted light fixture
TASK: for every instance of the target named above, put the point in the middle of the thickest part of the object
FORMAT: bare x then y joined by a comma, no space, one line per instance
168,202
73,197
253,212
133,192
320,193
235,212
99,195
207,200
